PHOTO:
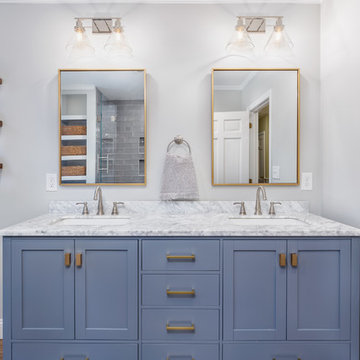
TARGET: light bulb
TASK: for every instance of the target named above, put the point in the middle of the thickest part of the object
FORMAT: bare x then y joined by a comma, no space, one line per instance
240,42
79,46
117,45
279,43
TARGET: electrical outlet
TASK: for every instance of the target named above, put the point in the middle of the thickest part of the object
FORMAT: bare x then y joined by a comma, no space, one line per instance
306,181
276,172
51,182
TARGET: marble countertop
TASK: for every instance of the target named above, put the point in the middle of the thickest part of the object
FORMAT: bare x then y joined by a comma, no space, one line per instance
201,218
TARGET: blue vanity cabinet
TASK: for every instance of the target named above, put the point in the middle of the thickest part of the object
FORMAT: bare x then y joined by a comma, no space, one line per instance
254,290
106,289
305,298
117,298
318,289
42,289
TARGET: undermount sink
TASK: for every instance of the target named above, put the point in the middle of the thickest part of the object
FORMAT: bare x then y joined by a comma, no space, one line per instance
92,221
267,221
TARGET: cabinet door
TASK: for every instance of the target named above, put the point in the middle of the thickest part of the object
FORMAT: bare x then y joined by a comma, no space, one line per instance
319,290
42,289
254,290
106,289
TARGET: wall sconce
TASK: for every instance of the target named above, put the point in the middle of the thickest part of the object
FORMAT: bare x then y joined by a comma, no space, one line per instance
278,44
116,45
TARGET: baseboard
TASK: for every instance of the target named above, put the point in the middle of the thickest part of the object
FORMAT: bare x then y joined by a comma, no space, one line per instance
1,328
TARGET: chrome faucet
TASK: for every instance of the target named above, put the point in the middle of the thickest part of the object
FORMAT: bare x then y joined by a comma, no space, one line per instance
258,203
98,197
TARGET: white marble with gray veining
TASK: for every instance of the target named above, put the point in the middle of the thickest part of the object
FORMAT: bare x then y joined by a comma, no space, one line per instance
180,218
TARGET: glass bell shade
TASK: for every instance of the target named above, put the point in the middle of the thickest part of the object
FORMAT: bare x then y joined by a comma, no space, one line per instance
279,43
80,46
117,45
240,42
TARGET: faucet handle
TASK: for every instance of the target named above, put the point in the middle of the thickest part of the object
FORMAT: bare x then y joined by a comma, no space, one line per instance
242,207
272,207
115,210
85,210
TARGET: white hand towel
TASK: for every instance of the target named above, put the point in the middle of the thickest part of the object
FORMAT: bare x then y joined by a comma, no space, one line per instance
179,178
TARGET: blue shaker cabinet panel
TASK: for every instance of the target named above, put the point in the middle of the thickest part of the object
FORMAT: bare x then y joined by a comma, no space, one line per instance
180,351
71,351
254,290
106,289
42,289
319,290
174,255
286,351
180,324
180,290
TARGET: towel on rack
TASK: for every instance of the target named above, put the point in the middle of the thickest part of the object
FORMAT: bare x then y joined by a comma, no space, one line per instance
179,178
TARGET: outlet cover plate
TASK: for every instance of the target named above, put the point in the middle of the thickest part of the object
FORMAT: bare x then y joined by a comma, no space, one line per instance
306,181
51,182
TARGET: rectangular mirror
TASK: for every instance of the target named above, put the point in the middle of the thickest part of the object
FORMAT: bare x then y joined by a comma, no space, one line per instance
255,126
102,125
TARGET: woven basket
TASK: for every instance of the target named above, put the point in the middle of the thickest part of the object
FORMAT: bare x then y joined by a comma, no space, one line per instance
73,170
73,130
73,150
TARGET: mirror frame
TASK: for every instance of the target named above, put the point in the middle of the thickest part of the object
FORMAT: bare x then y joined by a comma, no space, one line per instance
60,71
297,183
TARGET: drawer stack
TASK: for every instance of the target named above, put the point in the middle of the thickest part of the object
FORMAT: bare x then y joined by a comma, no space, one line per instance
180,299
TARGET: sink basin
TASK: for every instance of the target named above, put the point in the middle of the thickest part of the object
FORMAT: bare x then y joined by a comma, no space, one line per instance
92,221
268,221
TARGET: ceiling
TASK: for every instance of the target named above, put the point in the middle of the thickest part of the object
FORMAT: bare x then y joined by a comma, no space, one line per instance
159,1
115,85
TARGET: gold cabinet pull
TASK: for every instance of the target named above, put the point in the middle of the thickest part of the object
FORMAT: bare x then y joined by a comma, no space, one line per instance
64,358
169,357
79,260
294,259
180,292
180,328
282,260
181,257
67,259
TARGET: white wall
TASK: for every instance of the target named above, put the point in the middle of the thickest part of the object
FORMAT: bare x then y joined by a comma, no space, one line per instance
227,100
340,118
178,45
283,116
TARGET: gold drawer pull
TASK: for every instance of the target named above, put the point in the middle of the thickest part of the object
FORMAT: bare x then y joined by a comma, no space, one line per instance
64,358
67,259
180,292
181,257
177,356
180,328
79,260
294,259
282,260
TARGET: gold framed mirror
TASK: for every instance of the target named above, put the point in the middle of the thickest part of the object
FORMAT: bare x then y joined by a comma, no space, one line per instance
102,127
255,126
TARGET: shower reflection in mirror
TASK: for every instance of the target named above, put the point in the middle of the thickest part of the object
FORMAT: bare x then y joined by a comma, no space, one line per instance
102,126
255,126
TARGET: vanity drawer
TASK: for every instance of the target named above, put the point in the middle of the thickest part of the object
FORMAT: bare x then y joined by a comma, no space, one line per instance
180,352
180,324
286,351
180,290
69,351
180,255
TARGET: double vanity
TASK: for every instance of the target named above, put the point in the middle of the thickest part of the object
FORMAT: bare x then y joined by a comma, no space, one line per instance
181,281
